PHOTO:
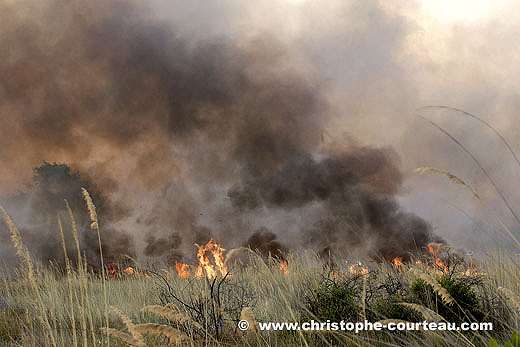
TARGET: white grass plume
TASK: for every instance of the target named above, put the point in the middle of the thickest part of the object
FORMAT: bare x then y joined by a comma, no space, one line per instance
443,293
247,315
457,180
428,314
175,336
126,338
515,300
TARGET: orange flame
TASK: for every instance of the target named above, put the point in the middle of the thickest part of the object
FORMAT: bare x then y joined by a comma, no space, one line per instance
334,274
144,274
205,267
182,269
473,273
440,263
357,270
397,262
129,271
112,270
284,267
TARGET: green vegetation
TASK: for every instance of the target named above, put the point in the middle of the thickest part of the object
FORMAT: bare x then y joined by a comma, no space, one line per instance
335,301
466,307
514,342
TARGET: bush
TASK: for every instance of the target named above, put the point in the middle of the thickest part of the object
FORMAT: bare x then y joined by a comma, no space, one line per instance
335,301
210,303
514,342
465,308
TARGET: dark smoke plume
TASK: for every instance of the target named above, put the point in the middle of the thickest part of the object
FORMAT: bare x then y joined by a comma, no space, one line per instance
355,188
265,242
200,138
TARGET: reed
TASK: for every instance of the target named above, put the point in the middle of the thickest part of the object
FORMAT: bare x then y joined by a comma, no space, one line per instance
457,180
95,226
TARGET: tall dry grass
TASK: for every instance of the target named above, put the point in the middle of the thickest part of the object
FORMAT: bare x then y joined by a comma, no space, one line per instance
66,299
50,306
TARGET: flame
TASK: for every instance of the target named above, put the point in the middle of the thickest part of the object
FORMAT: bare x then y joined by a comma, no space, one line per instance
335,274
397,262
284,267
112,270
473,273
144,274
205,267
357,269
182,269
129,271
440,263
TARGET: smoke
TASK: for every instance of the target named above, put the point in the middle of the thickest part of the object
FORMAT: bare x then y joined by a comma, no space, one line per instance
353,188
186,137
265,242
44,202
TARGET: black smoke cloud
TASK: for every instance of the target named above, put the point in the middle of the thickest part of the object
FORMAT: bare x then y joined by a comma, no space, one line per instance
355,188
266,242
197,138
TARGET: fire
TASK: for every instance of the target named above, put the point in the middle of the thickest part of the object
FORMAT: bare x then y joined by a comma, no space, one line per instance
182,269
144,274
440,263
129,271
205,268
335,275
357,269
284,267
112,270
397,262
473,273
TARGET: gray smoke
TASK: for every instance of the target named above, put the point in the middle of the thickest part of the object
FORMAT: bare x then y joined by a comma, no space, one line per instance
39,207
186,139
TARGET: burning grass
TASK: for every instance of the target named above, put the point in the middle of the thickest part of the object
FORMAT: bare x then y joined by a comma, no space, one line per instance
200,304
169,308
